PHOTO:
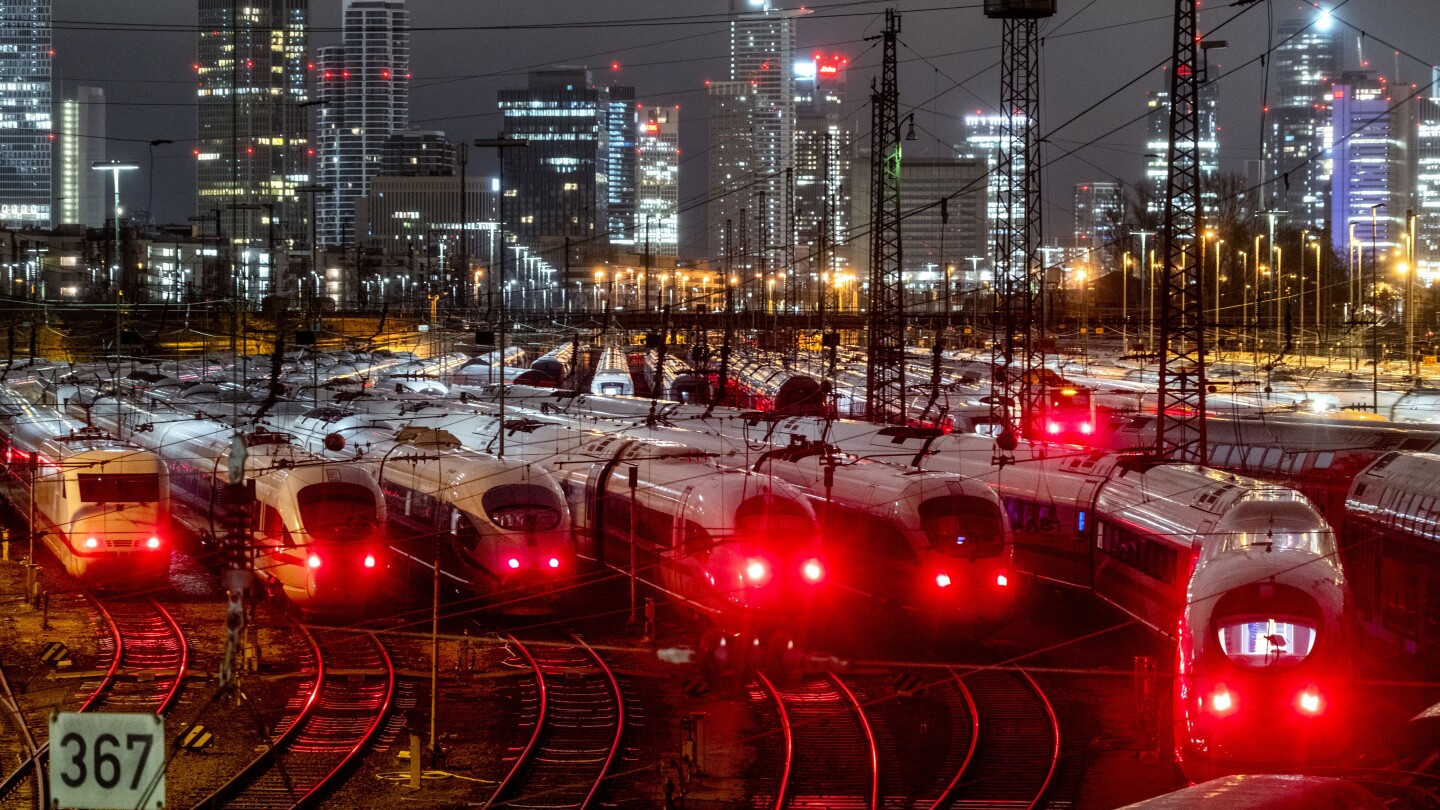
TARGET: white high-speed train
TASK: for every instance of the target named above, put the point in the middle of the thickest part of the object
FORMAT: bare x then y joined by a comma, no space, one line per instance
740,548
935,542
99,505
1244,576
502,527
318,527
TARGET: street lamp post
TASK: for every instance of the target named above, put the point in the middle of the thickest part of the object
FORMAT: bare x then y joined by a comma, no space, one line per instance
1143,236
1375,306
500,145
313,190
1410,361
115,167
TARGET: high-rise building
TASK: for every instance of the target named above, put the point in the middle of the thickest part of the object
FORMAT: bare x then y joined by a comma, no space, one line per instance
823,151
732,171
1099,212
417,152
25,124
987,138
762,53
926,243
79,143
658,179
364,85
621,120
252,134
1370,168
1298,133
1426,154
1157,162
558,188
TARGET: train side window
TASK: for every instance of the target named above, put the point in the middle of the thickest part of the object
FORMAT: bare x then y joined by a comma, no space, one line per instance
1324,459
273,530
1222,454
1272,458
697,539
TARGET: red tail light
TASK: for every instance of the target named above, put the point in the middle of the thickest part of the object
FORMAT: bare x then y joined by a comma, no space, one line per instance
812,570
1001,580
314,561
554,562
1221,701
1087,428
369,560
91,542
942,579
513,562
153,542
1052,427
1309,702
757,571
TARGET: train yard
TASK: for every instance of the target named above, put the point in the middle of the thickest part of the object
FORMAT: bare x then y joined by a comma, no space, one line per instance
637,594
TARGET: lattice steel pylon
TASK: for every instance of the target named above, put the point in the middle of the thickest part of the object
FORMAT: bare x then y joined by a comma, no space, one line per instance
1181,436
885,364
1019,271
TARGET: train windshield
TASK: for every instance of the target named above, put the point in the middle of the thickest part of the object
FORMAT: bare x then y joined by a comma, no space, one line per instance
1266,643
522,507
1319,543
337,510
963,526
776,524
119,487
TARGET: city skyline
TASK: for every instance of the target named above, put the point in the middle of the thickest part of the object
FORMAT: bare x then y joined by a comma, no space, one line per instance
704,44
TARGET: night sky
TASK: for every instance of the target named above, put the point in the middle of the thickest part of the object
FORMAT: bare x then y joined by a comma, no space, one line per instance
948,68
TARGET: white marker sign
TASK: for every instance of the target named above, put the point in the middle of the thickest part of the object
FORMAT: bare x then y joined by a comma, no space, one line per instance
107,761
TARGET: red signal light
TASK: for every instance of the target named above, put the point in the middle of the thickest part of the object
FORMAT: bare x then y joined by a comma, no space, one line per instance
1309,701
942,579
757,571
1001,580
513,563
812,570
554,562
1221,701
313,561
369,560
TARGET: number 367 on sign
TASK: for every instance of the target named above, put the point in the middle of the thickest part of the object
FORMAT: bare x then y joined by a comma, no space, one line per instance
107,761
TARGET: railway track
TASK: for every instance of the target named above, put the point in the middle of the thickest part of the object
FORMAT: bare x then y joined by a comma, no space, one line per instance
830,758
22,742
147,657
579,719
1017,746
327,725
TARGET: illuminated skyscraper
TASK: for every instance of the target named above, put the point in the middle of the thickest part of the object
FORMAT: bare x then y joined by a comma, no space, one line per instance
1427,178
1370,167
25,56
1099,211
823,151
762,53
252,140
1298,130
81,195
658,179
1157,162
732,171
365,89
558,188
621,119
986,139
